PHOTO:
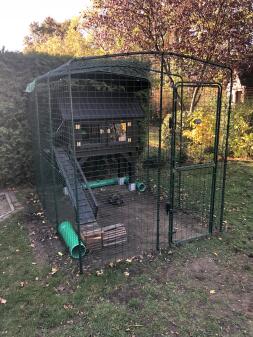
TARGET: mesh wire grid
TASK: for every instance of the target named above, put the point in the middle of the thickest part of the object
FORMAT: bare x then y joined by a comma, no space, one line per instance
108,160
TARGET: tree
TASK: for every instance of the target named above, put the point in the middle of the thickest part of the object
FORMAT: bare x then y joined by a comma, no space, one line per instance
53,38
208,28
220,30
40,33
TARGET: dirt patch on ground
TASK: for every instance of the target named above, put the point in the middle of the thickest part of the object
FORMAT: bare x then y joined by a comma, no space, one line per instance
48,248
123,295
240,303
202,265
202,268
227,286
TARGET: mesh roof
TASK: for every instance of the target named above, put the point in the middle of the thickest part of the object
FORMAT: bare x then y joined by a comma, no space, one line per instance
133,70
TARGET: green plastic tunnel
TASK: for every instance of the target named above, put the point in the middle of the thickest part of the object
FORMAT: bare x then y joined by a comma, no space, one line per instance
140,186
70,238
102,183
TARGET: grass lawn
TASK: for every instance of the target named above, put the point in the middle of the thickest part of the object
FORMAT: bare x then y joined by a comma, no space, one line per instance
201,289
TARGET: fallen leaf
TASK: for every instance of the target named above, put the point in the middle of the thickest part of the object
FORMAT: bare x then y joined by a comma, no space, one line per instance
3,300
99,272
126,273
111,264
23,283
54,270
136,325
212,291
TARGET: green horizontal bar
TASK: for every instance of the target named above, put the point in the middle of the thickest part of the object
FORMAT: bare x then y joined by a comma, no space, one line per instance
183,241
193,167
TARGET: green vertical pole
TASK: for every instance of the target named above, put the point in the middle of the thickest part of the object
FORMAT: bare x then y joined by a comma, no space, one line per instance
39,146
159,157
215,159
52,148
172,165
75,169
181,147
148,143
226,150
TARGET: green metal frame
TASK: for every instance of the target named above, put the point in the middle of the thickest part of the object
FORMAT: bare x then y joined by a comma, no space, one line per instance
174,168
178,88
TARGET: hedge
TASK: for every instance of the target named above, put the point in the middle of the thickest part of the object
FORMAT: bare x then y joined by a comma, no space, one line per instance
16,70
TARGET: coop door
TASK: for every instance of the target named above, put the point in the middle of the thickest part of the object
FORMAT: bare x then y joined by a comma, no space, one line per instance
195,133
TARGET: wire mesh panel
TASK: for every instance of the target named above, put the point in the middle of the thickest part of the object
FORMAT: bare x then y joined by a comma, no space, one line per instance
124,155
113,112
195,142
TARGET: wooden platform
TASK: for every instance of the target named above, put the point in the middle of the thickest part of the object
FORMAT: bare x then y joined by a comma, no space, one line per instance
107,236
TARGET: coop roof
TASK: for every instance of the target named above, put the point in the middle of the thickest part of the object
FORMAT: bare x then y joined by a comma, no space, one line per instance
105,105
133,73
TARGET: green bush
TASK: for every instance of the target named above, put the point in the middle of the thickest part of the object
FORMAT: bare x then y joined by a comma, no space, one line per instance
241,135
166,132
198,135
16,70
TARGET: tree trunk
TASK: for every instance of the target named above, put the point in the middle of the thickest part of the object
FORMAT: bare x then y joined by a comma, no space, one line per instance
195,98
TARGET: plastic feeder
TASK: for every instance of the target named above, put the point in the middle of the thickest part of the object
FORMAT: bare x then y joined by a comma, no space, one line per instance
70,238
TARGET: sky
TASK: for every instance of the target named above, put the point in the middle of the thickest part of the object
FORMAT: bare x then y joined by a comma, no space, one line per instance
16,15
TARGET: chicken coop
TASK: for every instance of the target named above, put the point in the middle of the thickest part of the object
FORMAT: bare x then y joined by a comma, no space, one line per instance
130,151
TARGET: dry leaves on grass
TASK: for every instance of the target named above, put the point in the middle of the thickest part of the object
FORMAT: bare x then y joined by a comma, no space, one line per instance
54,270
23,284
